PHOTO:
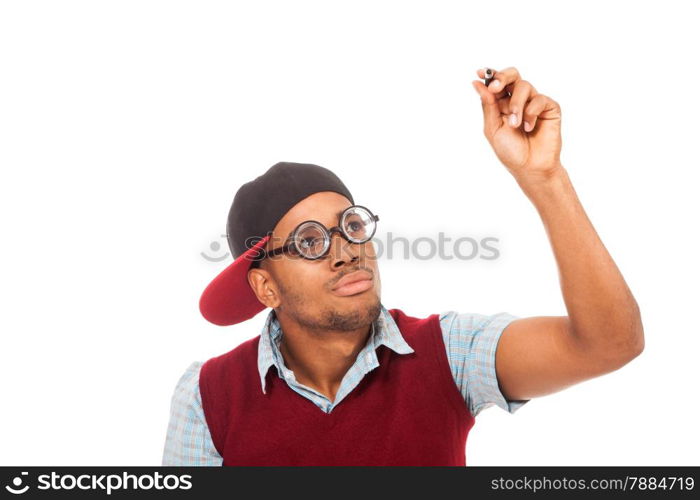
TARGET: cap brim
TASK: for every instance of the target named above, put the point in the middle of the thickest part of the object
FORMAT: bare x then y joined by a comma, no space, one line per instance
229,299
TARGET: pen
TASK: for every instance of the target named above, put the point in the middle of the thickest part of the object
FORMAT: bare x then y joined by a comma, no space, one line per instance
488,73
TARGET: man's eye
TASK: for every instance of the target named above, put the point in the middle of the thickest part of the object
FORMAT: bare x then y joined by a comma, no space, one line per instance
356,226
310,242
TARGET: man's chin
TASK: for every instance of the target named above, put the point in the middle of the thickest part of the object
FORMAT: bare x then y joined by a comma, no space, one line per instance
366,304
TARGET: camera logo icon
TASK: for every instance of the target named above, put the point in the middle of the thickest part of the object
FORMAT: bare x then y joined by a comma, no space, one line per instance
17,482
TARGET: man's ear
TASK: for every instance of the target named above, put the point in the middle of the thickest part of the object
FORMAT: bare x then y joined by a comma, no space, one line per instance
264,287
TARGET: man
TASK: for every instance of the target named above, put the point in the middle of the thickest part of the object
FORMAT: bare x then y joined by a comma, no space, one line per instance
334,378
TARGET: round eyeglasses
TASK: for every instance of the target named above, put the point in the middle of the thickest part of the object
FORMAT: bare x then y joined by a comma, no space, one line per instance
312,240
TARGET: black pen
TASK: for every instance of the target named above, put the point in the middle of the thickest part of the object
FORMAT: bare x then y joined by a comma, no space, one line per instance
488,73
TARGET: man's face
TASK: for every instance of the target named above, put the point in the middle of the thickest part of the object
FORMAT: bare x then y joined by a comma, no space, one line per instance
303,289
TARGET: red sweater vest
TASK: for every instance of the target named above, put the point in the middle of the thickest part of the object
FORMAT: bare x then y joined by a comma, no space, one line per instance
407,411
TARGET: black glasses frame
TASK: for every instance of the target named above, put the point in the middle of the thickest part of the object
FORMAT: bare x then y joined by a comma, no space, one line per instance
290,246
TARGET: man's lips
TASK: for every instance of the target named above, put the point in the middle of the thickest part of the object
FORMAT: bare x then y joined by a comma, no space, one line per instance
356,282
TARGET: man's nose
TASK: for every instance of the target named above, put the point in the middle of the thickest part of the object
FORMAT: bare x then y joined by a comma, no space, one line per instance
343,252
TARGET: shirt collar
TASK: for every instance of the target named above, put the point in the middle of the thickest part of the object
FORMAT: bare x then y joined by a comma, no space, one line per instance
384,332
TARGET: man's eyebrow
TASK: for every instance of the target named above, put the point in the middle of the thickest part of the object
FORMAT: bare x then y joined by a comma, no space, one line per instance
338,214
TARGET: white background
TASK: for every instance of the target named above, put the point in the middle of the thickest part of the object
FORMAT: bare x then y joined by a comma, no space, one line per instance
127,127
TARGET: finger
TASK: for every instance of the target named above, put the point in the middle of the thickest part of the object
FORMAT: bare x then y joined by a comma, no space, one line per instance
502,98
521,93
499,94
489,105
504,105
533,109
481,72
503,78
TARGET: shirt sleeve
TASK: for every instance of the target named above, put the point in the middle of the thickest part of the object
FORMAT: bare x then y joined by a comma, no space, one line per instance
471,341
188,441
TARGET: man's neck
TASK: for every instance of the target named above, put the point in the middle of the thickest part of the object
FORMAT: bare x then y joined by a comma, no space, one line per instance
321,361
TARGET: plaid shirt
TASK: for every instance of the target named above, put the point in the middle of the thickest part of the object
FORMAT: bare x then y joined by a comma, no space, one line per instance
470,342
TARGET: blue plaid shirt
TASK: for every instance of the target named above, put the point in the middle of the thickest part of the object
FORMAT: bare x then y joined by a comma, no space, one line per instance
470,341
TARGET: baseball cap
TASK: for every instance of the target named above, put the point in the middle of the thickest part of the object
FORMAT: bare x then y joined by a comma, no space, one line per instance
257,207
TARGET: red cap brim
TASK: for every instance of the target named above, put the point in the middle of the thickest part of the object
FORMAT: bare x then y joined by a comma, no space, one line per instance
229,299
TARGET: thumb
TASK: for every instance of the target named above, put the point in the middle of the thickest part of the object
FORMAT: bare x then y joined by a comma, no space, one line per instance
492,115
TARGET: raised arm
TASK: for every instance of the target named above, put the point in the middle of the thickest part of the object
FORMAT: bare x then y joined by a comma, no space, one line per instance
603,330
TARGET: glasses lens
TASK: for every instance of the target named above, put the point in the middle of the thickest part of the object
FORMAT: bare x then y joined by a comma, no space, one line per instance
311,240
358,224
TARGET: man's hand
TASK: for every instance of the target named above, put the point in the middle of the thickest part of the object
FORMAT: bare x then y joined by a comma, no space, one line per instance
522,126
